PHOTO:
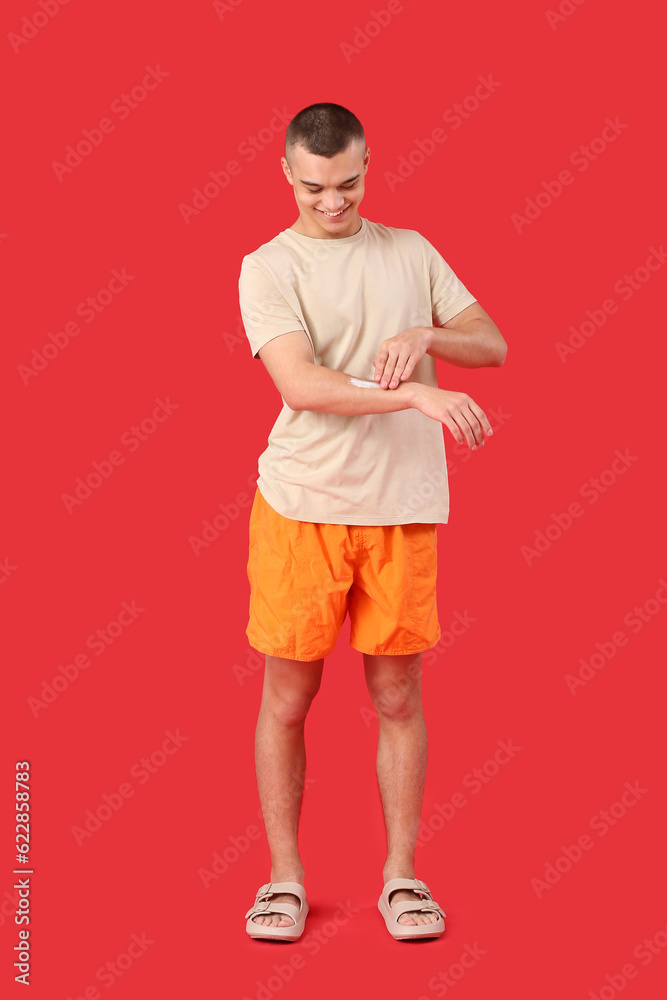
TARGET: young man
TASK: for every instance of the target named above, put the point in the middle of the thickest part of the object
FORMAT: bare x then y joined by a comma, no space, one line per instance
348,317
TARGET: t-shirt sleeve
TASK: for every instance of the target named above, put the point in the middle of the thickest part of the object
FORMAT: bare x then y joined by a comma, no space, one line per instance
448,293
265,311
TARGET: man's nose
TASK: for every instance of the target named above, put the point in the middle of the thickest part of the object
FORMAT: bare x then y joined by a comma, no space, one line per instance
333,202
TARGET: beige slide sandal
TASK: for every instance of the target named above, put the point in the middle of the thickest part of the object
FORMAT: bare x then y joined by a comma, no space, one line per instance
403,932
265,907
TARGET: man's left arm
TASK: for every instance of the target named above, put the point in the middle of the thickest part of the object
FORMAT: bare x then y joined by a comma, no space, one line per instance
469,340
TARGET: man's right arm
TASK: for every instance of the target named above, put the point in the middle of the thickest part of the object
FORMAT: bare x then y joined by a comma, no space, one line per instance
307,386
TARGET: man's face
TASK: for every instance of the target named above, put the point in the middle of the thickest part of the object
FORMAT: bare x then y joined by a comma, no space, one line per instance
328,190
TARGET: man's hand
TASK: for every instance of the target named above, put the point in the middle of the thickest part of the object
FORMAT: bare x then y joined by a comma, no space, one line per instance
456,410
396,359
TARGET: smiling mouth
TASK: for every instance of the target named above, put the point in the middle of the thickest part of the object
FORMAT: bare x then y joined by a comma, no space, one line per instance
333,215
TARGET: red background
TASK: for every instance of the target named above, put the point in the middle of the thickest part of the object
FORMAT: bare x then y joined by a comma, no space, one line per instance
174,333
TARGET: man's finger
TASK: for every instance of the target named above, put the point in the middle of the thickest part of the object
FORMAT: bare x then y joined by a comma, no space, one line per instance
395,367
387,366
481,417
409,367
453,428
465,428
380,361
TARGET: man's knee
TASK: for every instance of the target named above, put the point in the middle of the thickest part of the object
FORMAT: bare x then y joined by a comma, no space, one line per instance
396,708
290,696
399,700
290,709
396,692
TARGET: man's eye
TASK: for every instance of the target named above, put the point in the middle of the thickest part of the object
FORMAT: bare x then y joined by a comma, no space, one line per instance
317,190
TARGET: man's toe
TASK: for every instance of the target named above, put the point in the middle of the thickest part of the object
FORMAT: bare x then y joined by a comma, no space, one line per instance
277,919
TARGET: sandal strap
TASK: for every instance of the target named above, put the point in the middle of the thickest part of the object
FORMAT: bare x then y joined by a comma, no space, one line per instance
407,906
427,904
269,888
415,884
266,908
264,905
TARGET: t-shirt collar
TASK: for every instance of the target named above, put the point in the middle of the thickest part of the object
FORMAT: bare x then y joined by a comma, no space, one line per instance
317,239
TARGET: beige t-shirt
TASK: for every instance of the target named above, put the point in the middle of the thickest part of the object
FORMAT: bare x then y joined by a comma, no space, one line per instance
348,295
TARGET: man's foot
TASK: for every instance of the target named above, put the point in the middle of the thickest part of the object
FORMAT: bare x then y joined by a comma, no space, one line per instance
278,919
281,919
411,918
399,895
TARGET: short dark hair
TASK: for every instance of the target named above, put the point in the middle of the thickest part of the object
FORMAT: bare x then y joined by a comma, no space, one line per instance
323,129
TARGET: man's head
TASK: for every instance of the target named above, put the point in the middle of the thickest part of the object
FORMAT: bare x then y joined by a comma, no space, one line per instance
325,161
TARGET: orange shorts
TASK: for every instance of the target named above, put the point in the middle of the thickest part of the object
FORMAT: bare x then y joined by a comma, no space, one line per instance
305,576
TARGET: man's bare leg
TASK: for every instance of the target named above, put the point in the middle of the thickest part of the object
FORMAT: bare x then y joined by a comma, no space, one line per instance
280,765
394,684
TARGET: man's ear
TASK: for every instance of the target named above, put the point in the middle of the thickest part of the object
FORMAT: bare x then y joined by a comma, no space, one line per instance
286,170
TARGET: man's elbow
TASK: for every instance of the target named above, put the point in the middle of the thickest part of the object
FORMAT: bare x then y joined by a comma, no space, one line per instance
290,401
498,352
499,356
291,388
300,385
291,405
294,396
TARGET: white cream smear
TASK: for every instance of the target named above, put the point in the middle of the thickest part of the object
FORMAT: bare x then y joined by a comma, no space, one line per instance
363,383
